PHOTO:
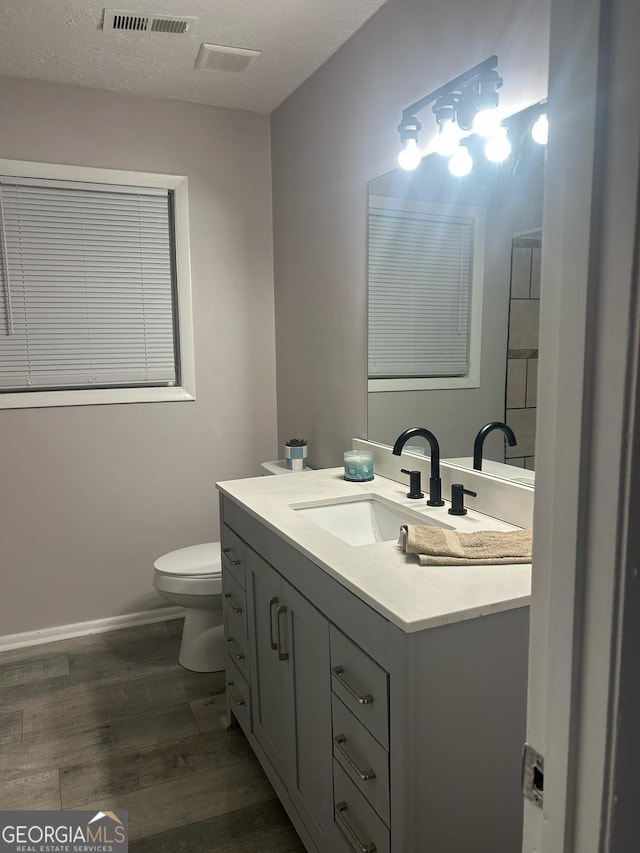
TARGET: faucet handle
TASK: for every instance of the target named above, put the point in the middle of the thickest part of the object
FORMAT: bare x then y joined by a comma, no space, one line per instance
414,484
458,492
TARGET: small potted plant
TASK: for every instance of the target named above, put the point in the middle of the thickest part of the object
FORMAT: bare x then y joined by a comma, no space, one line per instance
295,453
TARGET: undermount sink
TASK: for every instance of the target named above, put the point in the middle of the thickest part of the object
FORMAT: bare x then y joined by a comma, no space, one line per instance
365,519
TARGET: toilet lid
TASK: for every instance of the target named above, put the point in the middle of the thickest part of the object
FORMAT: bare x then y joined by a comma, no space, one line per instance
194,561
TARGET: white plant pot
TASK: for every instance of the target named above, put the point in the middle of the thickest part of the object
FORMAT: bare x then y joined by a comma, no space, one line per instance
295,457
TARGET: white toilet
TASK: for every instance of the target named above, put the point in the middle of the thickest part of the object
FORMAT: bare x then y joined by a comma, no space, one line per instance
192,578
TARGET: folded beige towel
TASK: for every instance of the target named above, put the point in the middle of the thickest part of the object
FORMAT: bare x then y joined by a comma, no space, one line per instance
435,546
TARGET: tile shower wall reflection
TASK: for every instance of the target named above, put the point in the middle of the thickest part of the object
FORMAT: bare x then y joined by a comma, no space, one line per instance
522,350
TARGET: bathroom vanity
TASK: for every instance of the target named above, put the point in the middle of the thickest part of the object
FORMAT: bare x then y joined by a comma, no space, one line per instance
385,700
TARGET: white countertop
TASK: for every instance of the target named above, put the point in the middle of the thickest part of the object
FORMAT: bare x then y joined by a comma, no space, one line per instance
393,583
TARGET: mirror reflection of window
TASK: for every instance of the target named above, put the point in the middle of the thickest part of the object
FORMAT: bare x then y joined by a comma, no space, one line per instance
422,285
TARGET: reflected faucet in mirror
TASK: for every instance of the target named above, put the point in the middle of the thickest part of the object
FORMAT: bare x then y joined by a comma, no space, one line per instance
483,432
435,483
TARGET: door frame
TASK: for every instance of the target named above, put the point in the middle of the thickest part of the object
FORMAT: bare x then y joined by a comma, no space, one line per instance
582,684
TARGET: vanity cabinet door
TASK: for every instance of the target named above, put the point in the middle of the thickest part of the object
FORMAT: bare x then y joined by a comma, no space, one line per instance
266,614
291,694
308,711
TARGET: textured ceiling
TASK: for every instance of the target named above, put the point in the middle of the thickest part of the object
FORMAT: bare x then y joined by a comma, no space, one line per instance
63,41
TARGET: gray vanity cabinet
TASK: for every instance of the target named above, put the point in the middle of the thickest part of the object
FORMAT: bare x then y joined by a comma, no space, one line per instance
265,608
375,739
291,692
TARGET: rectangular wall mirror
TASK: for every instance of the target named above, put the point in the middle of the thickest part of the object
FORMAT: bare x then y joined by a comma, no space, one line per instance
453,309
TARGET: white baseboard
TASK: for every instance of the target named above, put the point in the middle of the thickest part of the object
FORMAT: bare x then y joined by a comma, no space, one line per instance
84,629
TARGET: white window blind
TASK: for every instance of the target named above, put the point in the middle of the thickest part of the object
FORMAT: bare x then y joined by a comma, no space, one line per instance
420,279
87,286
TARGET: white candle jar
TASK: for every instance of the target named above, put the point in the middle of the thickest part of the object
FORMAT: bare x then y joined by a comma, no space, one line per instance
358,466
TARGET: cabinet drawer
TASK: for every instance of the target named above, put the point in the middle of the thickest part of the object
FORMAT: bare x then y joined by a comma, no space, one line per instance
361,684
236,639
235,600
362,758
238,696
355,818
232,548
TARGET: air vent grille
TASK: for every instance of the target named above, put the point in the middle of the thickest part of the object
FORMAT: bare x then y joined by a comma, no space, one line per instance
218,57
129,22
164,25
124,21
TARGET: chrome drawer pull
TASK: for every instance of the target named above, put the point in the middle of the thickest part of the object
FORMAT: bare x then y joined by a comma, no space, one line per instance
365,775
350,834
362,700
237,700
272,642
280,612
226,552
237,654
232,607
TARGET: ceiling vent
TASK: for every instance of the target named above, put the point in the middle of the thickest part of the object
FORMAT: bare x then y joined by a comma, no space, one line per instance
219,57
133,22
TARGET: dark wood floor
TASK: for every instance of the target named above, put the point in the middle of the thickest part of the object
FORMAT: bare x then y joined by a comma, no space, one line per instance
112,721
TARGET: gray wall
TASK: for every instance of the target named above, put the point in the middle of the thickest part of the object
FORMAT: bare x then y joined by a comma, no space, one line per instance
332,136
89,496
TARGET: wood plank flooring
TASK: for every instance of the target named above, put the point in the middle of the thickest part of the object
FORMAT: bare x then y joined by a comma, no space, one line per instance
112,721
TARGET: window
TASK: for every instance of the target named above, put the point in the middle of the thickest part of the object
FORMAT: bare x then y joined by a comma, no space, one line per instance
95,297
425,295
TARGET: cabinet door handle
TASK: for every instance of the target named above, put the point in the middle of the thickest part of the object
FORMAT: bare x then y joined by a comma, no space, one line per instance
237,700
274,645
365,775
362,700
349,832
232,607
280,612
226,552
235,651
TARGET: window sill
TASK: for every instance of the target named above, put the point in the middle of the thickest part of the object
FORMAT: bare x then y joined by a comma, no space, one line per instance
434,383
97,397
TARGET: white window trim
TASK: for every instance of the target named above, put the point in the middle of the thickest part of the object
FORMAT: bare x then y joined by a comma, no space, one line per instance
91,397
472,378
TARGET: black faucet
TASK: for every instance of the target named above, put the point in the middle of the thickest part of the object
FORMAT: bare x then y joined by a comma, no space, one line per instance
483,432
415,492
435,483
458,492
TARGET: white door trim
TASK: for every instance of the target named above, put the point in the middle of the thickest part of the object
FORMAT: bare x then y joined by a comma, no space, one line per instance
588,366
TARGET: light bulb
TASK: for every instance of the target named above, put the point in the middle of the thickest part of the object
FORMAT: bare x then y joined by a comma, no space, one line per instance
540,130
461,162
446,141
410,156
486,122
497,148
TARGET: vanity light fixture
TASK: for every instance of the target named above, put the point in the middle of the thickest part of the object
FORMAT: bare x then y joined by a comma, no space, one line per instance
470,101
410,156
461,161
446,141
484,95
540,130
497,148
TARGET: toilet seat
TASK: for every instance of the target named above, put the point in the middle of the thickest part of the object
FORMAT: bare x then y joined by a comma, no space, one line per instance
196,570
196,561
